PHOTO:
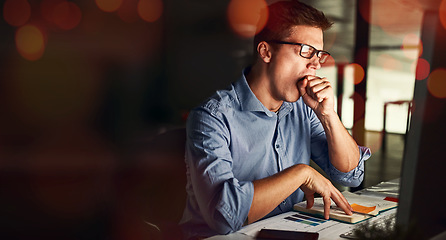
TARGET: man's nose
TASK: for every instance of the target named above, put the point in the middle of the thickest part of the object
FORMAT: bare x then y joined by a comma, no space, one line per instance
314,62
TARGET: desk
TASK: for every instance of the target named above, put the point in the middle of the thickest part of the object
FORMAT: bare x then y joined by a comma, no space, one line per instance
327,229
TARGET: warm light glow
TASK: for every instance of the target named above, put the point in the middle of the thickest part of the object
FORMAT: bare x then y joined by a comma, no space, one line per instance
412,46
389,63
16,12
30,42
247,18
67,15
442,13
108,5
422,69
128,11
436,83
358,73
150,10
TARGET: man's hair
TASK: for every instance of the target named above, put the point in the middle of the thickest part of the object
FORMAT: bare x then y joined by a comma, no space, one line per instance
283,15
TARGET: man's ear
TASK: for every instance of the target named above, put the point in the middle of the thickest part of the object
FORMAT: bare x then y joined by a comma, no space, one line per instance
264,50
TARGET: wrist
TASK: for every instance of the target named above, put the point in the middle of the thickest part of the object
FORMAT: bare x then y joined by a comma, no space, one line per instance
327,116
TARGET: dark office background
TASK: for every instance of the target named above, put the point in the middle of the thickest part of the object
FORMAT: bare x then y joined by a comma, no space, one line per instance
86,89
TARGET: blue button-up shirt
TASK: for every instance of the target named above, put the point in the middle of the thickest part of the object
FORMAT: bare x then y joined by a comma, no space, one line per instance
232,140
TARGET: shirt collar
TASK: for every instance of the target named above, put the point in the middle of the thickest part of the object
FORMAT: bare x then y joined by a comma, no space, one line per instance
249,101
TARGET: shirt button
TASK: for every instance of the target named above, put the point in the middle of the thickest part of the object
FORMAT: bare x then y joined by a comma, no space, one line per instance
284,202
277,146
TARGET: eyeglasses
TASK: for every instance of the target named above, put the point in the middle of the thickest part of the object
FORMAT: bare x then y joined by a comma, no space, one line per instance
307,51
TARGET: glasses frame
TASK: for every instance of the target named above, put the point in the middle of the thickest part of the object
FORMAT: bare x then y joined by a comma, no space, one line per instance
315,51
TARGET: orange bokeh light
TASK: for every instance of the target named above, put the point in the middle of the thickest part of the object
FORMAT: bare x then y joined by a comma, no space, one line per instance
247,18
358,73
67,15
16,12
442,13
436,83
422,69
150,10
412,42
108,5
30,42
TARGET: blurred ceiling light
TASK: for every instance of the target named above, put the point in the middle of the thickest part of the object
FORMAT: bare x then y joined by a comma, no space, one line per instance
247,18
108,5
30,42
150,10
16,12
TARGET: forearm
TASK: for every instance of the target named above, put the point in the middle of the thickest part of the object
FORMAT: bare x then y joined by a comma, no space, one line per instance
343,150
271,191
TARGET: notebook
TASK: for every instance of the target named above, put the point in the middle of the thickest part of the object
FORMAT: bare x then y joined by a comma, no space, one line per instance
366,206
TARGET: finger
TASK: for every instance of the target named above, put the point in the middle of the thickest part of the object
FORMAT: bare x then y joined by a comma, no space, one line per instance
327,204
313,81
323,94
310,200
321,86
342,203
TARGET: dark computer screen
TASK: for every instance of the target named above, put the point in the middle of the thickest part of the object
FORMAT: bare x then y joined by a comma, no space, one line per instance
422,206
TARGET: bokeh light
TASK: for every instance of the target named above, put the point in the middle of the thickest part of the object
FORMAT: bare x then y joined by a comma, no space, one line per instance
16,12
422,69
247,18
67,15
108,5
30,42
436,83
412,46
389,63
150,10
442,13
358,72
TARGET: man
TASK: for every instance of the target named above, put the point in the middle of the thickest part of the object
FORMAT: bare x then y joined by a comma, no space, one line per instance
249,147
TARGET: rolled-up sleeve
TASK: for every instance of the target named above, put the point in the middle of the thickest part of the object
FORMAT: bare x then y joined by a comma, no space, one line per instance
320,154
223,201
354,177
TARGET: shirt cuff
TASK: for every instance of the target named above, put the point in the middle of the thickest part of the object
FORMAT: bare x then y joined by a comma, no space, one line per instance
354,177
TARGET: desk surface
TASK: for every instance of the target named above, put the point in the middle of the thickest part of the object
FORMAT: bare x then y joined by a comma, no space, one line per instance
327,229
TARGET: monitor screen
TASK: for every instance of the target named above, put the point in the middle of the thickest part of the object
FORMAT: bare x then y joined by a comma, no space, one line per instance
422,205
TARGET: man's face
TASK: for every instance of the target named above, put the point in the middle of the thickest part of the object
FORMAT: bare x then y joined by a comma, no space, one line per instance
287,67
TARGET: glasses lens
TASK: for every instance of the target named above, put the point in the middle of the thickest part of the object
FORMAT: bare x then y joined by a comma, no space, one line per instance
306,51
323,57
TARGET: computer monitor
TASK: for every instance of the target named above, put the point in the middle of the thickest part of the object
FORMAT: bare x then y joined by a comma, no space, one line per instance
422,205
